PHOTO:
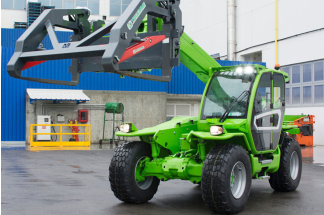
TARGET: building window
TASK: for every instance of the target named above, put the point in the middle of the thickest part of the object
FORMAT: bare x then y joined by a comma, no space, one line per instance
45,2
295,95
174,110
306,86
93,5
319,71
288,96
117,7
68,4
81,3
287,70
13,4
307,95
295,74
307,72
319,94
56,3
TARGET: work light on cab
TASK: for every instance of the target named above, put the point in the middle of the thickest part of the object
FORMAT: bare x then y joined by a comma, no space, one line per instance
249,69
239,70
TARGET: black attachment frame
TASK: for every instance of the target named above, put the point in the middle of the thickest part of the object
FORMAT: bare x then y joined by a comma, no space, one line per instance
96,53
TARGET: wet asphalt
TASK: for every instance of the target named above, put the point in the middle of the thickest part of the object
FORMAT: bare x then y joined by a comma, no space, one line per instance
76,182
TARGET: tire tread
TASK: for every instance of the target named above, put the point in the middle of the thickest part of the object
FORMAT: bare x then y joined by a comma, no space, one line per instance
280,180
214,179
120,181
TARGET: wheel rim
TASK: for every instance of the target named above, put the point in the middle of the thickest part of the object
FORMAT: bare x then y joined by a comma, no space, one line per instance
238,179
143,185
294,165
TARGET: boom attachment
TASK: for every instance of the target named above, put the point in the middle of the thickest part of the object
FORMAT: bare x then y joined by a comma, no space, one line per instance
132,44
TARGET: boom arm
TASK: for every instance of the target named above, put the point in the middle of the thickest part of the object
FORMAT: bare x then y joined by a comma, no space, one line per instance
195,58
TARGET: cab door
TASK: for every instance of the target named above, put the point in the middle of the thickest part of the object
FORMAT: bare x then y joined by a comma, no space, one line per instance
279,97
268,111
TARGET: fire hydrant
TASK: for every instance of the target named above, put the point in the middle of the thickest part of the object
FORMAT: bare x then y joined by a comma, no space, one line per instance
75,129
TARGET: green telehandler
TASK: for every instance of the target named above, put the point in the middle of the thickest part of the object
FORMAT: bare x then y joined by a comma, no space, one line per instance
238,135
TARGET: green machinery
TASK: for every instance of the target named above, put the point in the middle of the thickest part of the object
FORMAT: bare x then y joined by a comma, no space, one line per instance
114,108
237,136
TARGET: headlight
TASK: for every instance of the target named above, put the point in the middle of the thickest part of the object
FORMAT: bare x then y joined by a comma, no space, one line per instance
216,130
125,128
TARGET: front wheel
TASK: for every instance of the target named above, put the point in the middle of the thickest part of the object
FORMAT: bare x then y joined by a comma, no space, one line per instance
288,176
124,173
226,179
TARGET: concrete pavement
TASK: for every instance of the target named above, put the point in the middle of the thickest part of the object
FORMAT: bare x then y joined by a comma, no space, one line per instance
76,182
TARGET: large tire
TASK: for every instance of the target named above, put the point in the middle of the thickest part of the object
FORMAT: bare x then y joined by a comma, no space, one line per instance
122,173
219,191
288,176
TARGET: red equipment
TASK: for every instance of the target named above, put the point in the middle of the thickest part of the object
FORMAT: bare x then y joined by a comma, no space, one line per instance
146,43
306,126
83,115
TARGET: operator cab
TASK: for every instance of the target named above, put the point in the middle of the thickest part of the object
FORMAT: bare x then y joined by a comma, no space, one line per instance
248,92
228,93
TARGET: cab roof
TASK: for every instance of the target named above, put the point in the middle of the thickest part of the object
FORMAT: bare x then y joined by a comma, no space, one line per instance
259,69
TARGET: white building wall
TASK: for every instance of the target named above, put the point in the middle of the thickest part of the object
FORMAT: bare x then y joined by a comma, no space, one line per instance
302,48
256,24
17,16
205,22
9,16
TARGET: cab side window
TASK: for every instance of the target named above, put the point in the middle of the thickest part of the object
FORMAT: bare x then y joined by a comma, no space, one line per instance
278,91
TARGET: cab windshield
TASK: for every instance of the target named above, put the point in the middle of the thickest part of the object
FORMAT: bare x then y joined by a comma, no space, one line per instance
224,94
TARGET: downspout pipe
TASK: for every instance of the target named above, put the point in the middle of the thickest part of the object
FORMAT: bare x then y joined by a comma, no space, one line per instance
231,31
276,32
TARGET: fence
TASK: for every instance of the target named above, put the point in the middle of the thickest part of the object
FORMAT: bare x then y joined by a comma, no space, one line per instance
61,145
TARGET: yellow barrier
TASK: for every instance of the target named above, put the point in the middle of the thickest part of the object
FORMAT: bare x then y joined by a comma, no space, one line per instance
61,145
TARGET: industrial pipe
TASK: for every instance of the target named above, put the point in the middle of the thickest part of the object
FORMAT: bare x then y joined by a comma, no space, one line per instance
276,34
231,40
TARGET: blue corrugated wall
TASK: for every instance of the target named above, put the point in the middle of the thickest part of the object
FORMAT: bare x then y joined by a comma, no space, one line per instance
13,91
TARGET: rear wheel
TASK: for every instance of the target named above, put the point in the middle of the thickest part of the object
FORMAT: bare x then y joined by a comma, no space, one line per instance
288,176
124,173
226,179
